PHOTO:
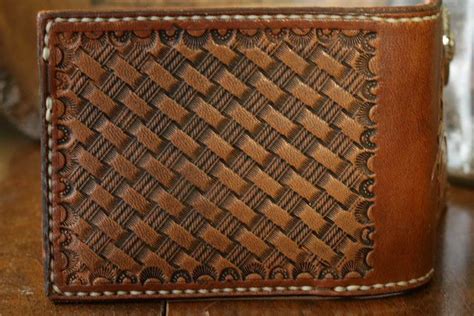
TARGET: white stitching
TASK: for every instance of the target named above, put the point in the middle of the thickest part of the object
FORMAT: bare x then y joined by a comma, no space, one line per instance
48,114
304,288
237,17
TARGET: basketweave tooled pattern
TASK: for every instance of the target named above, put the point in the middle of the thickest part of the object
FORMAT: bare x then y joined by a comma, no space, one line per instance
215,155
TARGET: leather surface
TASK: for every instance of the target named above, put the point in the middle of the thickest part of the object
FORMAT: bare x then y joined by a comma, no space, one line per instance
197,157
264,3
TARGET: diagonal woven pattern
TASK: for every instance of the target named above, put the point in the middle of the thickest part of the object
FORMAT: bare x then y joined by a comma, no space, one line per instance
215,155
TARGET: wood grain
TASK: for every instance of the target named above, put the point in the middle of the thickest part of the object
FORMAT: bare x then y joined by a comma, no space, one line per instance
21,270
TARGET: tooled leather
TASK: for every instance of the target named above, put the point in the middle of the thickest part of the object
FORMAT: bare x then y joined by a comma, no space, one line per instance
403,212
215,155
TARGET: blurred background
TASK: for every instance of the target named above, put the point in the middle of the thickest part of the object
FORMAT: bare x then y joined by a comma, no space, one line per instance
459,96
19,79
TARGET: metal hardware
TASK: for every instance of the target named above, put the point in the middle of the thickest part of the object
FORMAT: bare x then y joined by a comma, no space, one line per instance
449,42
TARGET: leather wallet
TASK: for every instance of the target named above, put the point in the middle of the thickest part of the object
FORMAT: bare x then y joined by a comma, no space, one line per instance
193,153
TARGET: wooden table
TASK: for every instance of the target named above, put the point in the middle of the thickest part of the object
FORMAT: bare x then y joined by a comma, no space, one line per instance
21,264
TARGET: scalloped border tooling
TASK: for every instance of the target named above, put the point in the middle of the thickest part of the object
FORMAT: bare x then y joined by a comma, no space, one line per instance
237,17
268,289
196,18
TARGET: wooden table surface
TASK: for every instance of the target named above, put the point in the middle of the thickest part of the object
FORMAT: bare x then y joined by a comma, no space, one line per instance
21,266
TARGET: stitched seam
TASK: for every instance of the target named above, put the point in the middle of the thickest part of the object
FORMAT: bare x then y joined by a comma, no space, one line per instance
237,17
49,168
248,290
198,18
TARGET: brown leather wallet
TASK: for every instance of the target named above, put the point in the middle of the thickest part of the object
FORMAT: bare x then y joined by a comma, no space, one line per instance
241,152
